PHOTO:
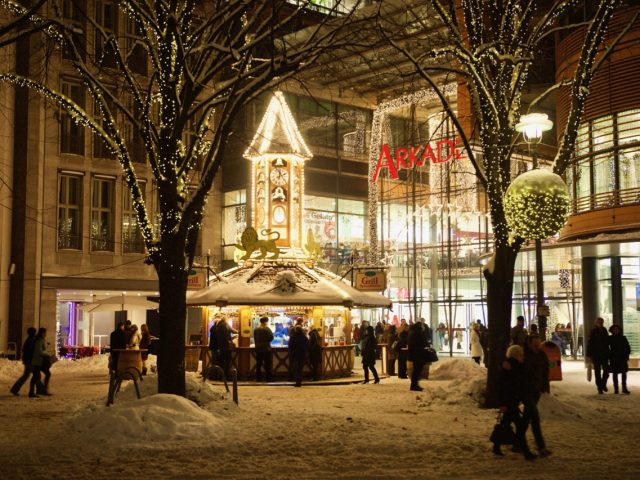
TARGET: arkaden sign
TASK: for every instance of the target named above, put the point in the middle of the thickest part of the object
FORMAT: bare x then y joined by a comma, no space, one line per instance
441,151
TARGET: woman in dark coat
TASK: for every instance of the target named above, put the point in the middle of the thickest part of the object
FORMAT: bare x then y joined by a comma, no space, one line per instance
619,357
369,355
417,344
512,391
401,345
391,338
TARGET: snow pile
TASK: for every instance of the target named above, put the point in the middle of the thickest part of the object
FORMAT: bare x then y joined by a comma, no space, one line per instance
156,417
204,394
467,380
10,370
94,364
159,417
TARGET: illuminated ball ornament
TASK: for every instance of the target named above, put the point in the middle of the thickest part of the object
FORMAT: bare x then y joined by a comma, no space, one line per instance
536,204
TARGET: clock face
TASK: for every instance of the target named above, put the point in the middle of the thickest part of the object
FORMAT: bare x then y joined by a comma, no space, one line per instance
279,176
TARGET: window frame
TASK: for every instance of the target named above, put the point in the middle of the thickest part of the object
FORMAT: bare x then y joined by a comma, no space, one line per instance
66,207
109,241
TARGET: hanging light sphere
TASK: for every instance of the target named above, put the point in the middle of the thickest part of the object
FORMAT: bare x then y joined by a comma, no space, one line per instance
536,204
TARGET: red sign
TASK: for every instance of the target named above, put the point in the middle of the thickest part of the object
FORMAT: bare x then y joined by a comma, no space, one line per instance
444,151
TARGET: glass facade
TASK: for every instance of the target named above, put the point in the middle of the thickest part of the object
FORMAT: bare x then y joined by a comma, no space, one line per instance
339,225
606,169
234,220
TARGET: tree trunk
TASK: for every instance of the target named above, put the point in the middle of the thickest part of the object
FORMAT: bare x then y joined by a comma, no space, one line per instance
499,302
172,279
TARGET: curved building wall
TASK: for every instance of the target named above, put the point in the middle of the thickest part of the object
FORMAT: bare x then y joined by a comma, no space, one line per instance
604,177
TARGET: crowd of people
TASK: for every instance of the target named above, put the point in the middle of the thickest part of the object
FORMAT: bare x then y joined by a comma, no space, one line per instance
525,376
126,336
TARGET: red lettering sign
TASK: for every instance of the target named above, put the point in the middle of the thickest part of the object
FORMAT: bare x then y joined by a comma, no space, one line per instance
445,151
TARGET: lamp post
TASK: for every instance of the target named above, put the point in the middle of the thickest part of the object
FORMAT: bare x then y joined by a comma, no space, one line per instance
532,127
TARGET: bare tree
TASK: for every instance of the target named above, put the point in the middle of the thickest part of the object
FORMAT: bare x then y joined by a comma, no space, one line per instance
207,60
492,46
23,21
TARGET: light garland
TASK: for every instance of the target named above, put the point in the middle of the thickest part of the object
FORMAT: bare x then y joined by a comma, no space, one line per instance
536,204
261,151
261,144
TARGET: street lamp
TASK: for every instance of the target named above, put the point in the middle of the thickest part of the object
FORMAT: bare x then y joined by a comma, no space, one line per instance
532,126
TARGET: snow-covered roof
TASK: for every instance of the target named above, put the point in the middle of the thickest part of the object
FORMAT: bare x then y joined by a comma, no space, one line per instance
278,134
283,283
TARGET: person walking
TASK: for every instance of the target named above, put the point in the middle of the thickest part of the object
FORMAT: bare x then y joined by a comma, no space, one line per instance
263,336
476,346
27,356
536,382
117,341
369,355
38,363
619,351
442,332
416,343
392,354
598,352
315,353
519,333
401,350
145,343
512,380
298,349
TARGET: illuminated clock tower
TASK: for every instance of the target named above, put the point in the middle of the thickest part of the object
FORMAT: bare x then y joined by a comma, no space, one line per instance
277,153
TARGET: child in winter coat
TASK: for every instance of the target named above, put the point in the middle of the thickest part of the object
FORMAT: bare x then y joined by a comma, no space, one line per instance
619,357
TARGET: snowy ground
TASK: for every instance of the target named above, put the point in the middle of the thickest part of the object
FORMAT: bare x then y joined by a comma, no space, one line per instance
342,431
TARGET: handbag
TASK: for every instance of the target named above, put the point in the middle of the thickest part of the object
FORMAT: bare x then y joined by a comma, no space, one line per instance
430,355
502,432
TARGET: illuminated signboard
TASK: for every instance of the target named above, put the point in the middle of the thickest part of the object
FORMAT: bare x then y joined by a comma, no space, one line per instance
371,280
441,151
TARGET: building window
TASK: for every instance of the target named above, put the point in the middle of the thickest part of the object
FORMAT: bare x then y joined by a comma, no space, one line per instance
107,18
102,207
73,12
338,226
606,170
71,134
69,212
132,241
234,220
136,54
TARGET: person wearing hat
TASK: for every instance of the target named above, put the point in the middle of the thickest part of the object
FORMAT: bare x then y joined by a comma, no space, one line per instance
619,357
263,336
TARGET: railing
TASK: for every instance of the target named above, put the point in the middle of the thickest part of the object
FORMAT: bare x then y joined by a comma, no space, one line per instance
327,7
615,198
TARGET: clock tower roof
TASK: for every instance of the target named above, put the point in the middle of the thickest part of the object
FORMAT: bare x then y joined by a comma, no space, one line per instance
278,134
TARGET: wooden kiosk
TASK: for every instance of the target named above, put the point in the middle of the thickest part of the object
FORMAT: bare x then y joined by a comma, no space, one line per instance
284,291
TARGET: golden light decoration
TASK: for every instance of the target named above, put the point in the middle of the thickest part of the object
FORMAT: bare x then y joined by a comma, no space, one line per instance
536,204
